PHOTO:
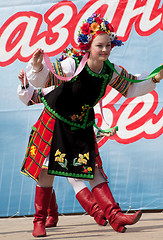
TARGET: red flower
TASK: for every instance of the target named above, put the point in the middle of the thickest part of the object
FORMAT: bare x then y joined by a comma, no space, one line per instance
110,27
85,29
85,170
112,45
98,20
84,46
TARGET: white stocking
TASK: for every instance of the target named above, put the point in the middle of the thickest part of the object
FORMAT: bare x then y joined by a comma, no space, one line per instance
77,184
98,178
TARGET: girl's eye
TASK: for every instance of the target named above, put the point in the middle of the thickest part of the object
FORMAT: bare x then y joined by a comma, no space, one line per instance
102,46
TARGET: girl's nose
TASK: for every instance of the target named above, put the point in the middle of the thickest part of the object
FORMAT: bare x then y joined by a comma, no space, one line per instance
104,49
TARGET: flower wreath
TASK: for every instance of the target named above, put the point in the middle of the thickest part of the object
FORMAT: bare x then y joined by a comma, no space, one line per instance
91,27
70,52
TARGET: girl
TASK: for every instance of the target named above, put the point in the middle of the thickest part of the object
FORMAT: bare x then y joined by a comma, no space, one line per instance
63,138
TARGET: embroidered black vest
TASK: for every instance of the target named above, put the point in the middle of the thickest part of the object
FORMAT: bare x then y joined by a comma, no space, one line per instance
72,152
72,102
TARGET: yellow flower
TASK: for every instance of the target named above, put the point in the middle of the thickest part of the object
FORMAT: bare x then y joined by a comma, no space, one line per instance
89,169
80,159
84,161
69,54
95,27
33,151
62,157
57,152
57,159
86,155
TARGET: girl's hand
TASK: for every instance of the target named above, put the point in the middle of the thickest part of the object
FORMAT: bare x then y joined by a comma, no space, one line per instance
110,134
37,59
159,75
21,78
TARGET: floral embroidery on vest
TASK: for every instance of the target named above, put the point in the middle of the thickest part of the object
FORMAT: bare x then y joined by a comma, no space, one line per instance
76,117
82,160
60,158
87,169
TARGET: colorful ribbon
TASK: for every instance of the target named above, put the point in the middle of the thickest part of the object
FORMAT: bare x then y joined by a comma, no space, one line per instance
106,130
79,69
156,71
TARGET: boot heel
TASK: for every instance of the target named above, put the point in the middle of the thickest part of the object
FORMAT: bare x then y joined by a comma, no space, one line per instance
101,220
138,216
39,230
106,222
118,228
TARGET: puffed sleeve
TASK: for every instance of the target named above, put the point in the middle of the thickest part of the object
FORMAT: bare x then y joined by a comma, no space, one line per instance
25,94
30,96
35,77
68,66
41,78
141,88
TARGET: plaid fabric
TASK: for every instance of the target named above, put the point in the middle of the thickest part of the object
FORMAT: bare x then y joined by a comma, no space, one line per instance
39,145
99,161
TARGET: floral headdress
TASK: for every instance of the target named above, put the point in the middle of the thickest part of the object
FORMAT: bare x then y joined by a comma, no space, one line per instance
93,26
70,52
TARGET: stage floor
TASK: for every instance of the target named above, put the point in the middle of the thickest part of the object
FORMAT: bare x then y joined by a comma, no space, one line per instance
83,227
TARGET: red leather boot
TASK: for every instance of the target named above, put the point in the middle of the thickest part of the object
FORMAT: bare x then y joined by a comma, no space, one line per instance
52,219
88,202
42,199
111,209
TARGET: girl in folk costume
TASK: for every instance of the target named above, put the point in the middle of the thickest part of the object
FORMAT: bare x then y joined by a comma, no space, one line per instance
83,194
63,138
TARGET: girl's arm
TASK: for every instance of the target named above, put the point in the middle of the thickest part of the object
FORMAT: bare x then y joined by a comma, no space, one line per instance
36,71
129,89
29,95
39,75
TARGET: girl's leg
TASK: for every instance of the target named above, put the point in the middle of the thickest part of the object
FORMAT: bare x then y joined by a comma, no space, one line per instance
45,180
111,209
87,200
42,199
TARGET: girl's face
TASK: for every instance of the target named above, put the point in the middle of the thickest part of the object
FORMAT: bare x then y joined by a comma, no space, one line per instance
100,48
